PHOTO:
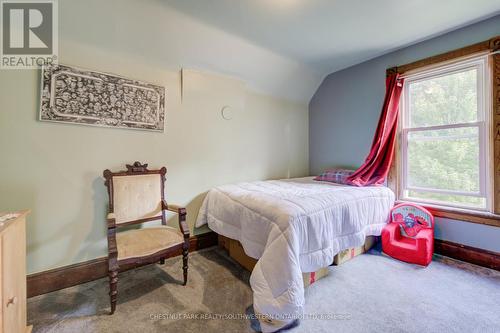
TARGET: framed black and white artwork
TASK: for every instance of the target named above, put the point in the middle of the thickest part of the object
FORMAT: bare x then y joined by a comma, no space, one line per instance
79,96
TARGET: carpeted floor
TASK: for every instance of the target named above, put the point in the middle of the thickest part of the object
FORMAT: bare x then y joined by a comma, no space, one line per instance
371,293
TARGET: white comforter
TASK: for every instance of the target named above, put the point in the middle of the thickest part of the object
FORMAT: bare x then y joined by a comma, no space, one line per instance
293,226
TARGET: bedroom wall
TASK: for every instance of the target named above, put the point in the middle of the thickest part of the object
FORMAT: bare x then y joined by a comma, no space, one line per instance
56,169
344,112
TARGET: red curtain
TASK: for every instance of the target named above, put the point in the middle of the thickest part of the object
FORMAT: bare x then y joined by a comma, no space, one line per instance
376,166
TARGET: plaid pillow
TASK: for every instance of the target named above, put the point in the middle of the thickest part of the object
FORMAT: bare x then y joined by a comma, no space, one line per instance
335,176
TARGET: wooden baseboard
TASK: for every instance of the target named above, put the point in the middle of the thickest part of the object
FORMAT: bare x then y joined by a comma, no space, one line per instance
72,275
469,254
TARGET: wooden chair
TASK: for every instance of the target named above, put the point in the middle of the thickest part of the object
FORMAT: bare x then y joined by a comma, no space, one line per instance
137,196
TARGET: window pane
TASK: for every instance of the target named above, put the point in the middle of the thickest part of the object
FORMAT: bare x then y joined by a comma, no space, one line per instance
449,99
458,200
446,159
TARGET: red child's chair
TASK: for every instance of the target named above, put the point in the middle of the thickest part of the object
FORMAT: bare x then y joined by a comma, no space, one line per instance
410,235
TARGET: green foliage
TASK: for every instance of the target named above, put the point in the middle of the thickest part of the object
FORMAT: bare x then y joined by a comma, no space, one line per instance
444,100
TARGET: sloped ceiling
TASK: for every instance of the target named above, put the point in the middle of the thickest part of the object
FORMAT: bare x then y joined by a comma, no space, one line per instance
329,35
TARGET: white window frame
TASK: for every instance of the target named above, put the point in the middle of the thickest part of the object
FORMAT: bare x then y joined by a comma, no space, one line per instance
483,124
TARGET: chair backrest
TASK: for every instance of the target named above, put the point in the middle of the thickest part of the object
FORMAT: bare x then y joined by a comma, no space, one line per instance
136,195
411,218
408,210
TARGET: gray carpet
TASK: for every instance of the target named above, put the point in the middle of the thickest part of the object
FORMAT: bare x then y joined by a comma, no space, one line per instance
371,293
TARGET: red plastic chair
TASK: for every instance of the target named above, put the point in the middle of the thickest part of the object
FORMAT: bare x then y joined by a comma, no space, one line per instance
409,236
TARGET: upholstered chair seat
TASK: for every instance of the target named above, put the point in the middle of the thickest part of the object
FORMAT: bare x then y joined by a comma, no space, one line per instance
144,242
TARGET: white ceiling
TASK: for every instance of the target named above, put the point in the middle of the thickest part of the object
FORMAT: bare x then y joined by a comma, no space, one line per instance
329,35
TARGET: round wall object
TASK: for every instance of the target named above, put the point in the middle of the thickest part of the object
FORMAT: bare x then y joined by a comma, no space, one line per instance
227,112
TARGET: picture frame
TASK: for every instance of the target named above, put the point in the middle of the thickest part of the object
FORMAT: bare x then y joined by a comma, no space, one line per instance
80,96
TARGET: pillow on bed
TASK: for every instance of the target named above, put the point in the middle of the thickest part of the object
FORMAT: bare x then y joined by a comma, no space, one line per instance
338,176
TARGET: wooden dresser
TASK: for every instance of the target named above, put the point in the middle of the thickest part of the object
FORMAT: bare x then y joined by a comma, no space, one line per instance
13,274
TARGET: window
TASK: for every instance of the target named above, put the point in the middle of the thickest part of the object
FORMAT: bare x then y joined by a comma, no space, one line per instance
445,136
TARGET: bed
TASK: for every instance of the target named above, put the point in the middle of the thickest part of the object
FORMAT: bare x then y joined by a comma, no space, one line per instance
292,226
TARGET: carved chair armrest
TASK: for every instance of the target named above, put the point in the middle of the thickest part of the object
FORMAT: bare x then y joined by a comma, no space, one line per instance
182,216
111,220
174,208
112,247
184,228
112,250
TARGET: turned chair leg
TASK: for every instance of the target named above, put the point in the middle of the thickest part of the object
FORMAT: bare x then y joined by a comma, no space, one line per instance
113,290
185,265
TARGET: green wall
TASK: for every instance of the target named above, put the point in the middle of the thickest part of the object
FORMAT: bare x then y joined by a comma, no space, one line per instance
56,169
